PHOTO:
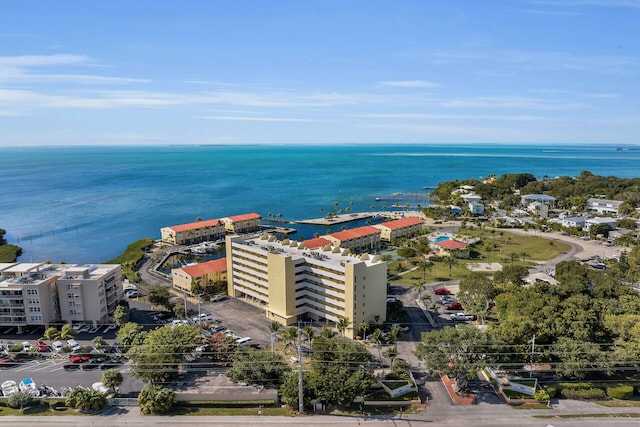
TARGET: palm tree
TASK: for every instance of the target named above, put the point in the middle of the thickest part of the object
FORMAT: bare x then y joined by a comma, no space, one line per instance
274,328
424,266
394,333
327,333
376,338
392,353
451,262
99,342
289,336
67,332
343,324
309,333
51,334
363,328
418,286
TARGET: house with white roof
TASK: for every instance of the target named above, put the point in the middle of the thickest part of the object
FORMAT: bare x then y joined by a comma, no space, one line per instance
604,206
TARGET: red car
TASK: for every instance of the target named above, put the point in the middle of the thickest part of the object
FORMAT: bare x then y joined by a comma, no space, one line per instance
42,346
453,306
442,291
79,359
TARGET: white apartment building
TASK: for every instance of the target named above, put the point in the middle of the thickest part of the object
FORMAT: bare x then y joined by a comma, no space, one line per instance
40,293
292,281
603,206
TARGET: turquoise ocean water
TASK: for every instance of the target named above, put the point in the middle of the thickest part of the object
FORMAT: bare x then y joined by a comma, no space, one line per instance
85,204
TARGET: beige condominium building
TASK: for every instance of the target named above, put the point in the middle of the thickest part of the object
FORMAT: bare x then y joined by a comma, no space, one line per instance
292,281
403,227
197,277
210,229
356,239
40,293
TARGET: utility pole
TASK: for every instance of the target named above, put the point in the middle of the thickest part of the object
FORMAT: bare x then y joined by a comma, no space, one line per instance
300,391
533,350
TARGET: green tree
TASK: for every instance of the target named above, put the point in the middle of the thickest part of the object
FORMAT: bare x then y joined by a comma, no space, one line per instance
67,332
51,334
376,338
309,333
258,366
511,274
121,315
343,324
289,336
289,390
418,286
158,357
159,295
130,334
459,352
99,342
155,399
476,293
83,399
424,266
20,400
339,370
450,262
112,378
406,253
363,328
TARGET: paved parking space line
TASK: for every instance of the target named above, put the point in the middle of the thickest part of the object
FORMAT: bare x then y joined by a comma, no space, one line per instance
48,365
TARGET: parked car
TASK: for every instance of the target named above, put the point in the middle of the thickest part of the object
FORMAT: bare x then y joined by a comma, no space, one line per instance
204,317
453,306
9,362
109,364
101,388
442,291
57,345
70,366
218,297
73,344
26,346
462,316
79,359
133,293
447,299
42,346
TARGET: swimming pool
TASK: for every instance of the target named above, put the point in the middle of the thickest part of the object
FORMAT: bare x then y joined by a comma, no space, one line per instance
441,239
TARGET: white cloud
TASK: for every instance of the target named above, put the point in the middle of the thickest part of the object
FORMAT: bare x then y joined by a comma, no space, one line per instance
512,102
255,119
409,83
466,117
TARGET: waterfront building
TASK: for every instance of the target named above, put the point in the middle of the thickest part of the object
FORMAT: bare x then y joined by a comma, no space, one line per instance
367,237
603,206
196,278
41,294
293,282
194,232
403,227
245,223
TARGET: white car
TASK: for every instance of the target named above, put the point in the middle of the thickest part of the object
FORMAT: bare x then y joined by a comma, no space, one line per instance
204,317
132,293
57,346
26,346
101,388
73,344
9,387
462,316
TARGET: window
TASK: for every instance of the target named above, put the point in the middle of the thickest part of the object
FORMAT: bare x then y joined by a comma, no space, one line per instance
72,303
71,295
34,309
72,312
32,292
36,318
33,300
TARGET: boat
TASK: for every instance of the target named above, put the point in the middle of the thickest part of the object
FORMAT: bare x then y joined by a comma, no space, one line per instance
8,388
29,386
377,199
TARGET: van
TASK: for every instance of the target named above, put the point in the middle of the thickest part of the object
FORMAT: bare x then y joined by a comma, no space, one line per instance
73,344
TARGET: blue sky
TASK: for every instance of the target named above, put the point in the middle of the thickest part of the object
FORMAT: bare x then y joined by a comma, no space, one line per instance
318,72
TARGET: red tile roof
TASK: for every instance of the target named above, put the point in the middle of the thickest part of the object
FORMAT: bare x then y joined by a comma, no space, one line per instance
195,225
317,242
452,244
402,222
244,217
208,267
354,233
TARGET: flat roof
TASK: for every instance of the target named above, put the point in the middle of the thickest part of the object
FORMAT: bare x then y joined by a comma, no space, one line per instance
195,225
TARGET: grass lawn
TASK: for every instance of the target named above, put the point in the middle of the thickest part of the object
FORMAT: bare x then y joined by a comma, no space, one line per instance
42,410
617,403
536,248
226,409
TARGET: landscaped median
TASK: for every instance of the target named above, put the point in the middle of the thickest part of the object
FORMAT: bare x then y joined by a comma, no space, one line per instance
462,399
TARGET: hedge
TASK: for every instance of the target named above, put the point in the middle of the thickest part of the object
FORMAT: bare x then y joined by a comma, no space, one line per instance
620,392
583,393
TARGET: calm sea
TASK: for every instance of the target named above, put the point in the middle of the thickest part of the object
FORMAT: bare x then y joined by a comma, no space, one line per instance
85,204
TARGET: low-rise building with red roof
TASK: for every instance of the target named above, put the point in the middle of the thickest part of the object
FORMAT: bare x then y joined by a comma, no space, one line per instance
196,278
244,223
403,227
193,232
355,238
317,242
446,246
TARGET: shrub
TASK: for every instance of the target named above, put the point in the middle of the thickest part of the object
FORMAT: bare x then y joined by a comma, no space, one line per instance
620,392
552,390
541,396
583,393
19,400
